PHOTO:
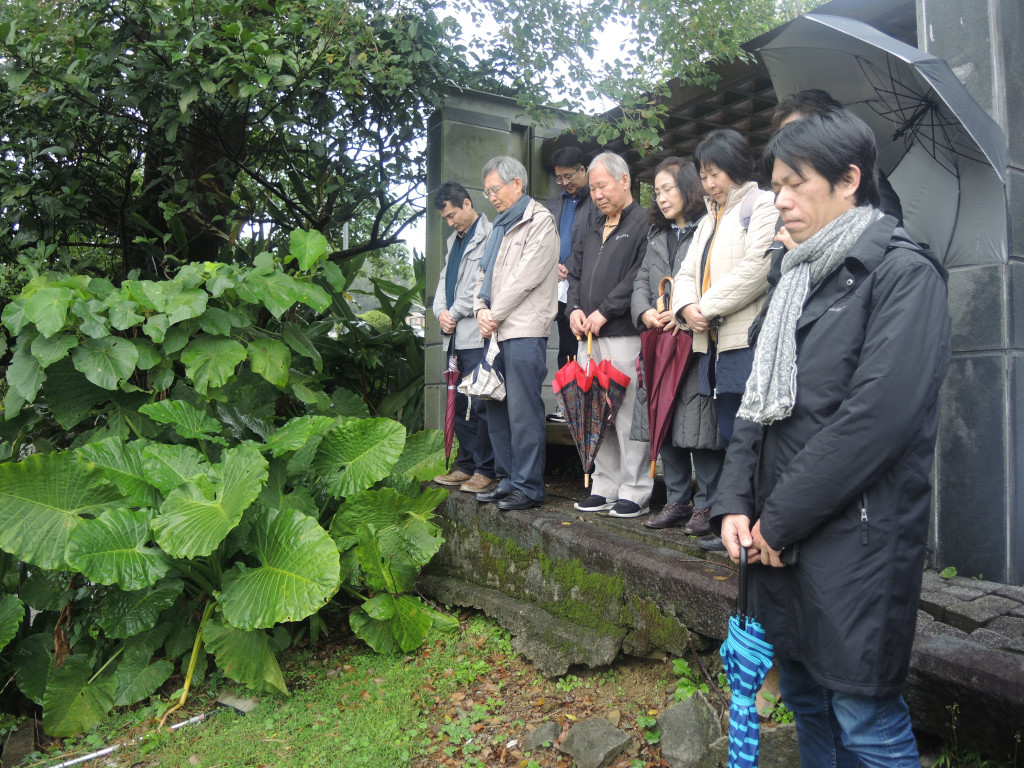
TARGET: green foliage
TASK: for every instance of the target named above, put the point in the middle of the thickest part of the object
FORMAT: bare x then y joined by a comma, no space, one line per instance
689,681
948,572
778,712
205,487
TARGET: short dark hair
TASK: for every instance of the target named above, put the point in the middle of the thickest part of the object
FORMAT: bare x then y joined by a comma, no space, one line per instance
688,181
829,143
729,150
567,157
813,101
451,192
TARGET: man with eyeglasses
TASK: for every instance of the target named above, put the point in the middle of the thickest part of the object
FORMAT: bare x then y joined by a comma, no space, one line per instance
516,300
573,210
603,266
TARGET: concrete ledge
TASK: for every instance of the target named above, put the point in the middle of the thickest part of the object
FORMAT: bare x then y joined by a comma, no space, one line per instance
577,589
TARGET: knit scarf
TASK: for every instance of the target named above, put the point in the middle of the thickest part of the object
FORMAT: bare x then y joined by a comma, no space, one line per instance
771,388
504,222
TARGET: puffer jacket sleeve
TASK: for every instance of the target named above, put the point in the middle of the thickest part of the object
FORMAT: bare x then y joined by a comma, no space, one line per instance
749,278
901,366
684,286
643,298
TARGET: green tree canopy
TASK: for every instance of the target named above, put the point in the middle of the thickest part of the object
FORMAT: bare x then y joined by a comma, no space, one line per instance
138,134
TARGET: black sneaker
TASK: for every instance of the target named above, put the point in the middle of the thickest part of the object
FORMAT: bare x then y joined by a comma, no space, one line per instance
595,504
558,417
627,508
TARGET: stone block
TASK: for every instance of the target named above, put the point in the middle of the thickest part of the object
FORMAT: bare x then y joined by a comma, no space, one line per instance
987,684
977,306
1011,593
935,603
938,629
964,592
1010,626
977,613
1015,197
594,743
778,747
687,730
961,34
931,581
988,638
1015,533
973,444
538,737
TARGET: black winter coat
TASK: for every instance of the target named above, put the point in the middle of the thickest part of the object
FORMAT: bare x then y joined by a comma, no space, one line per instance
846,476
603,279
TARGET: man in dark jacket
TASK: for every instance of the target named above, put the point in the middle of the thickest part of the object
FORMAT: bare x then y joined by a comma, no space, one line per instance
602,268
574,212
828,468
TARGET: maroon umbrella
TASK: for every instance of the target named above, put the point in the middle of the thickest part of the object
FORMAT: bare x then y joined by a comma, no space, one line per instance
665,356
452,376
589,397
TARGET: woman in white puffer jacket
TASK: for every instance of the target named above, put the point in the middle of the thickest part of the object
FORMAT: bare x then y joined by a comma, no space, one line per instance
721,285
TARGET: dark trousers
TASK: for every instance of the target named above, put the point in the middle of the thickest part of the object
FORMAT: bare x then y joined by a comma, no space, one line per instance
567,342
475,454
516,424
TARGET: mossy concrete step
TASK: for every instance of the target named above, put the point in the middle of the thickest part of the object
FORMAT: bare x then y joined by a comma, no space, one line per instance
577,589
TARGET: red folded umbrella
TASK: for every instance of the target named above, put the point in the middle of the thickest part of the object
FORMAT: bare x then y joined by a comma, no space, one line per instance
665,357
590,397
452,376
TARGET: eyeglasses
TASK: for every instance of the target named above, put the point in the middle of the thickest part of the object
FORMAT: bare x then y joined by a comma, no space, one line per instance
563,180
660,193
493,191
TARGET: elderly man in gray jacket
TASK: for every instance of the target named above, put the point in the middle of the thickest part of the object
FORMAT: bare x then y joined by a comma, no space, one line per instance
517,297
453,306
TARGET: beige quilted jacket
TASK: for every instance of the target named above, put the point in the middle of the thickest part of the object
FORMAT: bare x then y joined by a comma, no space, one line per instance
739,268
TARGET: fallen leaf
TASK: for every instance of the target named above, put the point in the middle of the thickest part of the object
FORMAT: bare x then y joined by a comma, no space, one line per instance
721,578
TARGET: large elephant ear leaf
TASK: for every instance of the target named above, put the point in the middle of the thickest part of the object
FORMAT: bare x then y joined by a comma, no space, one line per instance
138,678
296,433
423,456
75,699
210,362
111,549
245,656
42,500
11,614
298,573
122,464
31,662
125,614
168,466
105,361
382,509
187,420
192,524
357,453
382,571
391,622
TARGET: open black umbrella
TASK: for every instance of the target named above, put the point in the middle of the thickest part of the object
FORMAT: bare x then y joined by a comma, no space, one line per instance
942,153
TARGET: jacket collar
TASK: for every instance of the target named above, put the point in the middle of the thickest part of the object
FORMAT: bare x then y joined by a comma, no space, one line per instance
736,194
627,214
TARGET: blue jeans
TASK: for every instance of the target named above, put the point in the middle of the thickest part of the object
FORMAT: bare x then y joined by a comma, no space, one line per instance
843,730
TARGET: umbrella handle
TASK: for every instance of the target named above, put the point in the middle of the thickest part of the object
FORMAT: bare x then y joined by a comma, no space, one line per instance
661,292
590,343
741,599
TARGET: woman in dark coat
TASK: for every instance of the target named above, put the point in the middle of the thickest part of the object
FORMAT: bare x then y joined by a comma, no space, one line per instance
833,446
676,206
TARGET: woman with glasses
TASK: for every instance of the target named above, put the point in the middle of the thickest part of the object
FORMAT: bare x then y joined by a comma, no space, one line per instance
677,206
721,287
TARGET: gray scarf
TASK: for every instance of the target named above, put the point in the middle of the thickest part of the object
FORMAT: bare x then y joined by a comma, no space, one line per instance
504,222
771,388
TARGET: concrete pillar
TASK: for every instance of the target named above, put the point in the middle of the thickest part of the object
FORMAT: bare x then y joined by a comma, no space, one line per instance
979,519
462,136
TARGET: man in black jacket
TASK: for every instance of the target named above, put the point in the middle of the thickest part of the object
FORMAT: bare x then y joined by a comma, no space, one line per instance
574,212
604,262
828,467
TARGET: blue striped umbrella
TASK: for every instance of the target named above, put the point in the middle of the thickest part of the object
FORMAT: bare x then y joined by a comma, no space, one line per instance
747,657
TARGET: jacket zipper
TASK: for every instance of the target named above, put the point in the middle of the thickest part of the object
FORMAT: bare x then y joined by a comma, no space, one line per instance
864,518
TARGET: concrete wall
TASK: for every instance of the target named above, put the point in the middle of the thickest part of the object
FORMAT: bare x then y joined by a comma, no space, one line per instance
979,520
462,136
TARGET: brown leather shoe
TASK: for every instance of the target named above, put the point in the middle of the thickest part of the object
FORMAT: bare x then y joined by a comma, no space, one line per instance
699,525
671,515
454,478
478,483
